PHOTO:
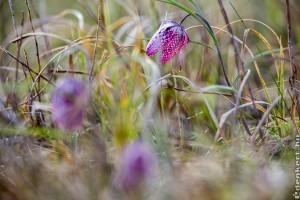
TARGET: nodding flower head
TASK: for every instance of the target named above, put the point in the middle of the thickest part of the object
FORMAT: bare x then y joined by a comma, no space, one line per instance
170,38
137,164
68,103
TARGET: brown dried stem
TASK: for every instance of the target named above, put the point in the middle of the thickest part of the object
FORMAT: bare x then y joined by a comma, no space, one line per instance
95,48
239,62
294,73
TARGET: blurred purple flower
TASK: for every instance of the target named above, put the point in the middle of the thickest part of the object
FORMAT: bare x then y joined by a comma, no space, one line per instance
137,163
171,38
68,103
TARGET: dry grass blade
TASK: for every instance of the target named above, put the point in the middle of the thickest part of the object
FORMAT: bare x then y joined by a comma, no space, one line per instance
226,115
239,93
24,36
23,64
262,120
185,128
96,42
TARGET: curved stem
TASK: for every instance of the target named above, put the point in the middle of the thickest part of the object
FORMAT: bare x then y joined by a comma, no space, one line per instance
207,25
185,18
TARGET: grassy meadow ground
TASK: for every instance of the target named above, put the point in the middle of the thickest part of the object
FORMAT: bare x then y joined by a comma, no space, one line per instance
224,127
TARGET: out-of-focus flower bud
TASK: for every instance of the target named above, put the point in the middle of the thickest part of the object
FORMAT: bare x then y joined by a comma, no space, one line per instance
69,102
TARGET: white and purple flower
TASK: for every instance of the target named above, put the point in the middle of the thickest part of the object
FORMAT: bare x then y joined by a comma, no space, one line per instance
170,38
137,164
68,103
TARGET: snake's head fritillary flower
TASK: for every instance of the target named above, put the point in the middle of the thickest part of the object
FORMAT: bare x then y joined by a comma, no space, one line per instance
68,103
137,164
170,39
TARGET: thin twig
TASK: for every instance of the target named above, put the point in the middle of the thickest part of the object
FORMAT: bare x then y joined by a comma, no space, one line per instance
39,75
68,71
294,75
29,102
95,48
24,64
35,40
17,35
262,120
239,61
19,50
13,16
237,56
47,42
40,118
